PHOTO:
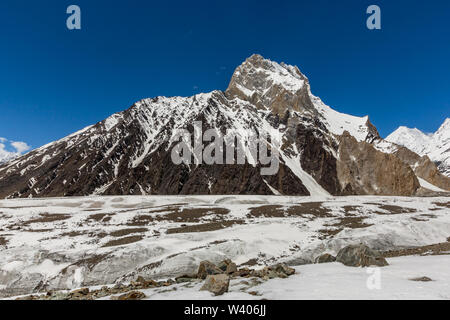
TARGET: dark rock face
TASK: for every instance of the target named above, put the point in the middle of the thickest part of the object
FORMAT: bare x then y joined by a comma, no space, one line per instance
360,256
364,170
423,167
316,160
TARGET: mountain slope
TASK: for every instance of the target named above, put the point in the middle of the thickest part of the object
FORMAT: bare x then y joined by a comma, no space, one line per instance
130,152
436,146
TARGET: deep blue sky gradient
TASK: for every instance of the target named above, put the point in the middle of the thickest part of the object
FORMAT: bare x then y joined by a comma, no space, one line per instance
54,81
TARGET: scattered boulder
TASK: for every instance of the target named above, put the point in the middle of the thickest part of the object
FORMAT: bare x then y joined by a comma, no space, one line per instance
231,268
280,270
423,279
65,296
143,283
325,258
185,278
77,294
28,298
243,272
217,284
83,291
103,292
167,283
224,264
207,268
132,295
360,256
227,266
250,263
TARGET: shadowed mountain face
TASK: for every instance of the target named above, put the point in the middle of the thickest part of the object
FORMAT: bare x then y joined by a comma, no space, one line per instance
130,152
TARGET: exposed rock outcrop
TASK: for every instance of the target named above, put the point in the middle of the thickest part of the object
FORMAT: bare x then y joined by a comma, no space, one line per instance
363,170
423,168
254,81
360,256
436,146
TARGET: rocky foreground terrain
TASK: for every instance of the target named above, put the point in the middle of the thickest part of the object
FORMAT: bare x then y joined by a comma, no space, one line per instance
154,245
423,277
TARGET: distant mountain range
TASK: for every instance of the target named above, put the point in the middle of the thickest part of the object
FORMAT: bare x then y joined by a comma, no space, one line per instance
322,151
434,145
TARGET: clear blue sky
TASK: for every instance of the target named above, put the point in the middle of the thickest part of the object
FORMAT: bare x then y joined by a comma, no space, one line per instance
54,81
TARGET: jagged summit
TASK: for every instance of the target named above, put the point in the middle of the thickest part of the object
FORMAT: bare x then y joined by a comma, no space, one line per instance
411,138
268,84
259,74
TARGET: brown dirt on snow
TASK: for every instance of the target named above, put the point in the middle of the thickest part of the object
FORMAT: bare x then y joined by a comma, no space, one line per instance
125,232
46,217
442,204
205,227
177,214
104,217
123,241
352,223
434,249
301,210
395,209
3,241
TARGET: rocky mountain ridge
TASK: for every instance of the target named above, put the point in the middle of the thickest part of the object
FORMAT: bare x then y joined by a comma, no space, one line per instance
130,152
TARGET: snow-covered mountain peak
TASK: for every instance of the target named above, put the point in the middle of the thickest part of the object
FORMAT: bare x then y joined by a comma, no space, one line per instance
130,152
443,133
434,145
413,139
270,85
283,88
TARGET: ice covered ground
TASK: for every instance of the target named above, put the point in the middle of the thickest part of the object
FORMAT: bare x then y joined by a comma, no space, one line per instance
68,243
329,281
334,281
